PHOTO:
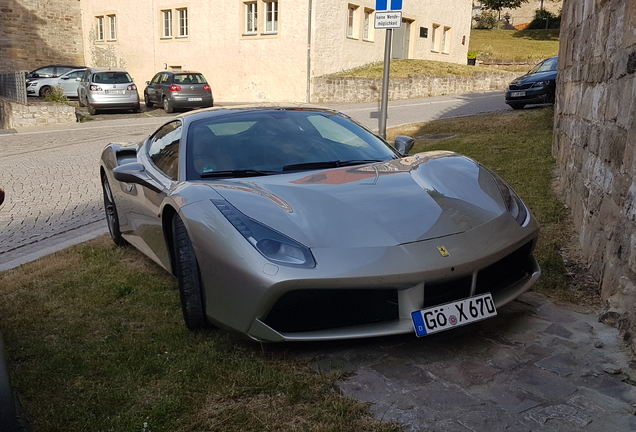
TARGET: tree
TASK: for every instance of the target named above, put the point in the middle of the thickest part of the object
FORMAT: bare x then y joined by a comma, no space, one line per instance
498,5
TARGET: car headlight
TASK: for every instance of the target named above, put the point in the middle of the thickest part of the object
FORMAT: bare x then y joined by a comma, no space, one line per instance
33,84
273,245
514,205
541,84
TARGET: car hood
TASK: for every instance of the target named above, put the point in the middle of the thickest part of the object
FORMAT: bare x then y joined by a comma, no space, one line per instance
535,77
419,197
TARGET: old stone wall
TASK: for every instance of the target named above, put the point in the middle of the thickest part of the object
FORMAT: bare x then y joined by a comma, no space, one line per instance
333,90
595,142
15,115
35,33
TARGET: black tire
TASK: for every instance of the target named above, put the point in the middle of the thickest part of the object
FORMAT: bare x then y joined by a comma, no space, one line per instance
166,106
187,271
517,106
112,218
136,109
44,91
80,102
147,101
91,109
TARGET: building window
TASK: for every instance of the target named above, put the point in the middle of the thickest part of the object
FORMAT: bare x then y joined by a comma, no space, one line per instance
434,37
99,27
166,19
446,37
271,16
351,21
183,22
367,34
112,27
251,18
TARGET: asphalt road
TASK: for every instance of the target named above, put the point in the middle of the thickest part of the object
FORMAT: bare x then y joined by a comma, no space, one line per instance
538,366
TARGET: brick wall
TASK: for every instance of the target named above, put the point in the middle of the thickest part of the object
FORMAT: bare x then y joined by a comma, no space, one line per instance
15,115
595,142
333,90
35,33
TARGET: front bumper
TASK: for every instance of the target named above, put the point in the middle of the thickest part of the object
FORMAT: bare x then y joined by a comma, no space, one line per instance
276,303
530,96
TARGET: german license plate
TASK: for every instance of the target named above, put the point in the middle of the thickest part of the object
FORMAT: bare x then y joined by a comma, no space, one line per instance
453,314
113,91
517,94
194,99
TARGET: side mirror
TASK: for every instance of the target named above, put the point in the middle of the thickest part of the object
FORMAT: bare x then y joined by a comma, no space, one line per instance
135,173
147,82
65,78
403,144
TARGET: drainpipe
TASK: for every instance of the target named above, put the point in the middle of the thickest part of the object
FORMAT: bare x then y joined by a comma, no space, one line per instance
308,97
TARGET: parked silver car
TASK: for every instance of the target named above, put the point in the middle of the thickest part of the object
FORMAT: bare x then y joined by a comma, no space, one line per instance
107,89
178,90
69,82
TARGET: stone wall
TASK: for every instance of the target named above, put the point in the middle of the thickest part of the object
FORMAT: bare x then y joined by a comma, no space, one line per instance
595,142
15,115
334,90
35,33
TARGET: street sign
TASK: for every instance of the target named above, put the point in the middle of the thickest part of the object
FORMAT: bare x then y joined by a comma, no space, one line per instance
388,20
392,5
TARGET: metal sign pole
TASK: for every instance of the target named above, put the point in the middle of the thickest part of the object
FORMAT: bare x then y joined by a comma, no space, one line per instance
385,84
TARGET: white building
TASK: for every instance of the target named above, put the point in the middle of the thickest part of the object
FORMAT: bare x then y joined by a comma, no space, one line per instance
265,50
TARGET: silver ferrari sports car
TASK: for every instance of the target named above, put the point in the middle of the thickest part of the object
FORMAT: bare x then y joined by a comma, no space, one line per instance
295,223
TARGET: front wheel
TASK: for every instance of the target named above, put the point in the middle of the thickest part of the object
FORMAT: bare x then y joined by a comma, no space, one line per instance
91,109
147,101
112,218
79,100
187,271
166,106
44,91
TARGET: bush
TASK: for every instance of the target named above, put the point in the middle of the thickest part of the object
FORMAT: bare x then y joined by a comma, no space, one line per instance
56,94
486,20
539,21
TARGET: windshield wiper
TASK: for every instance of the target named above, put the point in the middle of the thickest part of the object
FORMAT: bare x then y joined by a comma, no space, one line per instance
238,173
328,164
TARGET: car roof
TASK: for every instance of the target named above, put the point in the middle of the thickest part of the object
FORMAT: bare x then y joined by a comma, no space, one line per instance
102,69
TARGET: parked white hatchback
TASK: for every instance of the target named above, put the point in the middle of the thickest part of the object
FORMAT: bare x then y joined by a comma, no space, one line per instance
107,89
69,82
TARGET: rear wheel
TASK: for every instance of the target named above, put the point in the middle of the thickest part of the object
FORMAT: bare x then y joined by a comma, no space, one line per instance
147,101
136,109
517,106
91,109
80,102
190,286
166,106
112,218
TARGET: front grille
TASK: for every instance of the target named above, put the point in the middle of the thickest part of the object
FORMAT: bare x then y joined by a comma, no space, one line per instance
505,272
321,309
436,293
519,86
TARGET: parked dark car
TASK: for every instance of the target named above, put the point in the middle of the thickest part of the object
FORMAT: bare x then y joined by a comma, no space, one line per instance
535,87
180,90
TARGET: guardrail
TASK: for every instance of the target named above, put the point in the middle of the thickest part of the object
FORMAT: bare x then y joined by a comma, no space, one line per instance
13,86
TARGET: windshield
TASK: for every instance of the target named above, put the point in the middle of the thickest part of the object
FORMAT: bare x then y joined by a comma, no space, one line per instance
111,77
546,66
260,142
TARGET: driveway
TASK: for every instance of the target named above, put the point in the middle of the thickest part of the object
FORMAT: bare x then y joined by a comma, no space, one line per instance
538,366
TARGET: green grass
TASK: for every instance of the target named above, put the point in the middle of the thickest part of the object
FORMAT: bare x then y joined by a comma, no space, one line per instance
404,68
517,145
515,44
96,341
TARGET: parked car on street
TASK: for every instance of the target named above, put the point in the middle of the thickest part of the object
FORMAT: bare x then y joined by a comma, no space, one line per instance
536,87
69,81
178,90
50,71
107,89
295,223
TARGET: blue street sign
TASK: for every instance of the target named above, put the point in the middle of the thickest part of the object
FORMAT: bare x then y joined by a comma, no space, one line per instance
393,5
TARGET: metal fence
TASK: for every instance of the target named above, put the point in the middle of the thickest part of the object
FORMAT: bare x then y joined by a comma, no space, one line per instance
13,86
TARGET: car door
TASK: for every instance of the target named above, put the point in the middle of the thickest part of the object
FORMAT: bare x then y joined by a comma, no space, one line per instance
163,85
151,91
160,157
70,81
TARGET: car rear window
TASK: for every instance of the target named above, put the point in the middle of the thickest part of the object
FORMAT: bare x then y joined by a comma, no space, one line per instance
189,79
111,78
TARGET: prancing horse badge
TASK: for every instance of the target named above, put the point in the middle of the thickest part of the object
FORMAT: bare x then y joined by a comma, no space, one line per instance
442,250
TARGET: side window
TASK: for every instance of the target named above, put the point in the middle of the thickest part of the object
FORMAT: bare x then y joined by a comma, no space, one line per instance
155,79
164,78
164,149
